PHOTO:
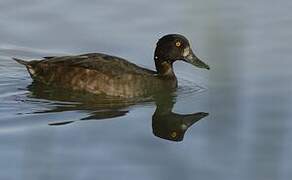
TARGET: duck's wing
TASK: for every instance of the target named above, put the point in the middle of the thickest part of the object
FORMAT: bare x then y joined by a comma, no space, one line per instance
97,61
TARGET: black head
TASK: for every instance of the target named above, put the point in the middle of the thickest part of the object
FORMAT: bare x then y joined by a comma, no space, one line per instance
174,47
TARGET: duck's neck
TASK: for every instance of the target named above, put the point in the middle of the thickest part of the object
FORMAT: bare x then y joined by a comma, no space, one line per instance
165,71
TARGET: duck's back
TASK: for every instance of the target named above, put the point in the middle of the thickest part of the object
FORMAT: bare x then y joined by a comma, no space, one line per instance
96,73
106,64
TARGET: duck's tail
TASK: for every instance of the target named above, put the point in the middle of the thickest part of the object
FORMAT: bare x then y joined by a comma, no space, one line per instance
30,66
20,61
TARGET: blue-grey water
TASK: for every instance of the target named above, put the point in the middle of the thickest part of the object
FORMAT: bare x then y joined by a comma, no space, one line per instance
46,134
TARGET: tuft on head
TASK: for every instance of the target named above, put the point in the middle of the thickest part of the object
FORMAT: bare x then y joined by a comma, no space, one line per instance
172,38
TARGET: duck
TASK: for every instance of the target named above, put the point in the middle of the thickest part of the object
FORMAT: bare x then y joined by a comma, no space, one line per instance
109,75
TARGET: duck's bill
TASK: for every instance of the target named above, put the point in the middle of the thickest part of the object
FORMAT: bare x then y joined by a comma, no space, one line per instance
194,60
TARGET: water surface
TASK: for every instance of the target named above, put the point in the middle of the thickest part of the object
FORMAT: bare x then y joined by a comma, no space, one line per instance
49,134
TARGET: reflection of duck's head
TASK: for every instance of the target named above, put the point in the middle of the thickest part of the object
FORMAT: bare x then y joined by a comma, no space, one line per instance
169,125
172,126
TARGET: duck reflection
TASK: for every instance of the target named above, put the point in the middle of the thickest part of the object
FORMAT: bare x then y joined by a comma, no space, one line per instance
165,123
169,125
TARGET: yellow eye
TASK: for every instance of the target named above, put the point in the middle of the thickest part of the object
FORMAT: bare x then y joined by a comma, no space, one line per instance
177,44
173,134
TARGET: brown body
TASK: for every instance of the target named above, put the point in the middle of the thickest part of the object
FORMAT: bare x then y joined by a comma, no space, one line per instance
99,74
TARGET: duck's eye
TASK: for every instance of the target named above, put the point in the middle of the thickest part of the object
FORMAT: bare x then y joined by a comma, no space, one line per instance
173,134
178,44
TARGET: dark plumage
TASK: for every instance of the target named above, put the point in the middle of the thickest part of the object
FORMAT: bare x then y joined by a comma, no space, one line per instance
104,74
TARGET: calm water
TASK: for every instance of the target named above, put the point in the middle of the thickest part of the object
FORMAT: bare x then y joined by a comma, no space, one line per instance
48,134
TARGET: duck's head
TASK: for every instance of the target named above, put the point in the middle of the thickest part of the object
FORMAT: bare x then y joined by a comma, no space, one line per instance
174,47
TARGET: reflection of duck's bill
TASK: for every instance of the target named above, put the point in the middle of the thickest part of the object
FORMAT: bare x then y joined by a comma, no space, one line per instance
194,60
